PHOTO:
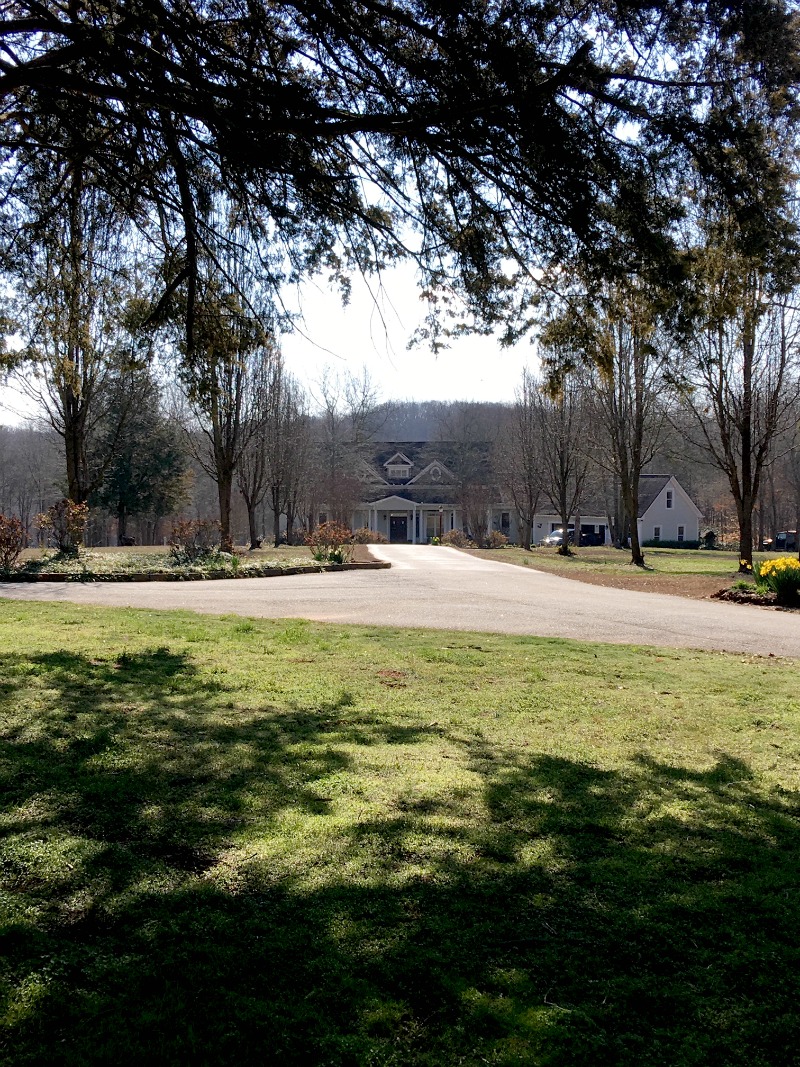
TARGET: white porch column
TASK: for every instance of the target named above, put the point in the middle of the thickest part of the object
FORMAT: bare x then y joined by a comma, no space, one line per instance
414,526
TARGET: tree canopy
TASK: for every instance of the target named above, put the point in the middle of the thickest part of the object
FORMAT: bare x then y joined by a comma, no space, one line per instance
342,134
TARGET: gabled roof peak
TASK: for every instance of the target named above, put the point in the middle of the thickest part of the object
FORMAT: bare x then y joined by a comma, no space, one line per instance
398,460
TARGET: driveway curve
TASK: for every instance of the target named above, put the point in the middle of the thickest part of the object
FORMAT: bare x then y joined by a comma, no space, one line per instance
441,588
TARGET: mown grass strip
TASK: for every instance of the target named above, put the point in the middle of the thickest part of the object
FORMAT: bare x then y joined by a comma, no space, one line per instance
607,560
234,841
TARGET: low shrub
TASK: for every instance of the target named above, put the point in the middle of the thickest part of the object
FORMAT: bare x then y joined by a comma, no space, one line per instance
496,539
457,539
782,577
331,542
365,536
12,542
194,540
65,524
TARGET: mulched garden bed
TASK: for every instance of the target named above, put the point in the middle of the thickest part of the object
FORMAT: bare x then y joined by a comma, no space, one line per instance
753,596
188,576
362,560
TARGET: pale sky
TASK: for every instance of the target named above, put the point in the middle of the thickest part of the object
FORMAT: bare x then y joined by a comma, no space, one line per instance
374,333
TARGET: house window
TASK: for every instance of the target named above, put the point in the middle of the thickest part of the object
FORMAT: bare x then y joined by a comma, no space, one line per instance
436,474
669,498
656,533
505,520
681,532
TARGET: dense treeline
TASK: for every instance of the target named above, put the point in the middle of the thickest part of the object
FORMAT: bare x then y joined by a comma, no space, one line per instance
156,479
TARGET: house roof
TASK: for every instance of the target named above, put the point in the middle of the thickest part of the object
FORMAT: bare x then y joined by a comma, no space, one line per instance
650,485
399,460
445,475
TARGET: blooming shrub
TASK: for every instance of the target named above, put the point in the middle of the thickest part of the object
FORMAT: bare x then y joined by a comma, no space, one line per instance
365,536
457,539
12,541
65,524
193,540
782,576
331,542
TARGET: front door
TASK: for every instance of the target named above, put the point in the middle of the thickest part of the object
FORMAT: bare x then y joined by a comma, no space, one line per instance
398,528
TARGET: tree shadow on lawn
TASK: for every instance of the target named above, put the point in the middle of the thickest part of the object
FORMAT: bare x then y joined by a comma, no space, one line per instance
586,916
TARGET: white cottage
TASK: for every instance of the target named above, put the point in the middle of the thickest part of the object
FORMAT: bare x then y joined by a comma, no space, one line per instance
666,511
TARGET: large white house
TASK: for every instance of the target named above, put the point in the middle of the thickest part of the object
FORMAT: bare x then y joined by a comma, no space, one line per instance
411,494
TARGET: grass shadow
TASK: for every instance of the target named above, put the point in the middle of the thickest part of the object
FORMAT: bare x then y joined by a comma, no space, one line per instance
573,915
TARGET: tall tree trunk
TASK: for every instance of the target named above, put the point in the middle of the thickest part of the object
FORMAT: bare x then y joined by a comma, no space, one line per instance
291,514
563,548
275,498
630,497
749,488
122,523
527,534
744,514
224,494
252,523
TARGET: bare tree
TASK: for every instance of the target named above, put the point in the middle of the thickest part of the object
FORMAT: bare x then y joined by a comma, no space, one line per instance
560,411
468,432
31,472
227,385
273,462
739,380
349,416
627,399
519,456
612,336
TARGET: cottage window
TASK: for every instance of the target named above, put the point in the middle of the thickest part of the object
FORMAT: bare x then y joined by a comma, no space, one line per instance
669,498
505,520
681,532
656,533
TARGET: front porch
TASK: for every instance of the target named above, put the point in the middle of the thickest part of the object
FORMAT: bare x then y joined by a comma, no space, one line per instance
404,521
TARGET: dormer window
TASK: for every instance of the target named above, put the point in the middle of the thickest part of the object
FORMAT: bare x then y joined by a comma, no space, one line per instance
436,474
398,468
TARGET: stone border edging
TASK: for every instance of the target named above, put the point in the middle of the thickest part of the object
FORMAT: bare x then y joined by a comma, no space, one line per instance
146,576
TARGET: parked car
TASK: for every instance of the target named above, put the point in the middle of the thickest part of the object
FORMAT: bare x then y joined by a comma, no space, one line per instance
786,540
557,537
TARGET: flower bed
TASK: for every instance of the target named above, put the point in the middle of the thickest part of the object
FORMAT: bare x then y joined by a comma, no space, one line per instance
782,577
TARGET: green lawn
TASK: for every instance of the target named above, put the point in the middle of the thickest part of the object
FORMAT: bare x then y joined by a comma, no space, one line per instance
683,561
228,841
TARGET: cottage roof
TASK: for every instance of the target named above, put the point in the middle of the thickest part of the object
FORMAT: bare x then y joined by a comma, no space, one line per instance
650,485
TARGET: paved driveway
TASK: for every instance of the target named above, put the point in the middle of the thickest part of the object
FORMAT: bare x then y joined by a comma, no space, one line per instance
445,589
